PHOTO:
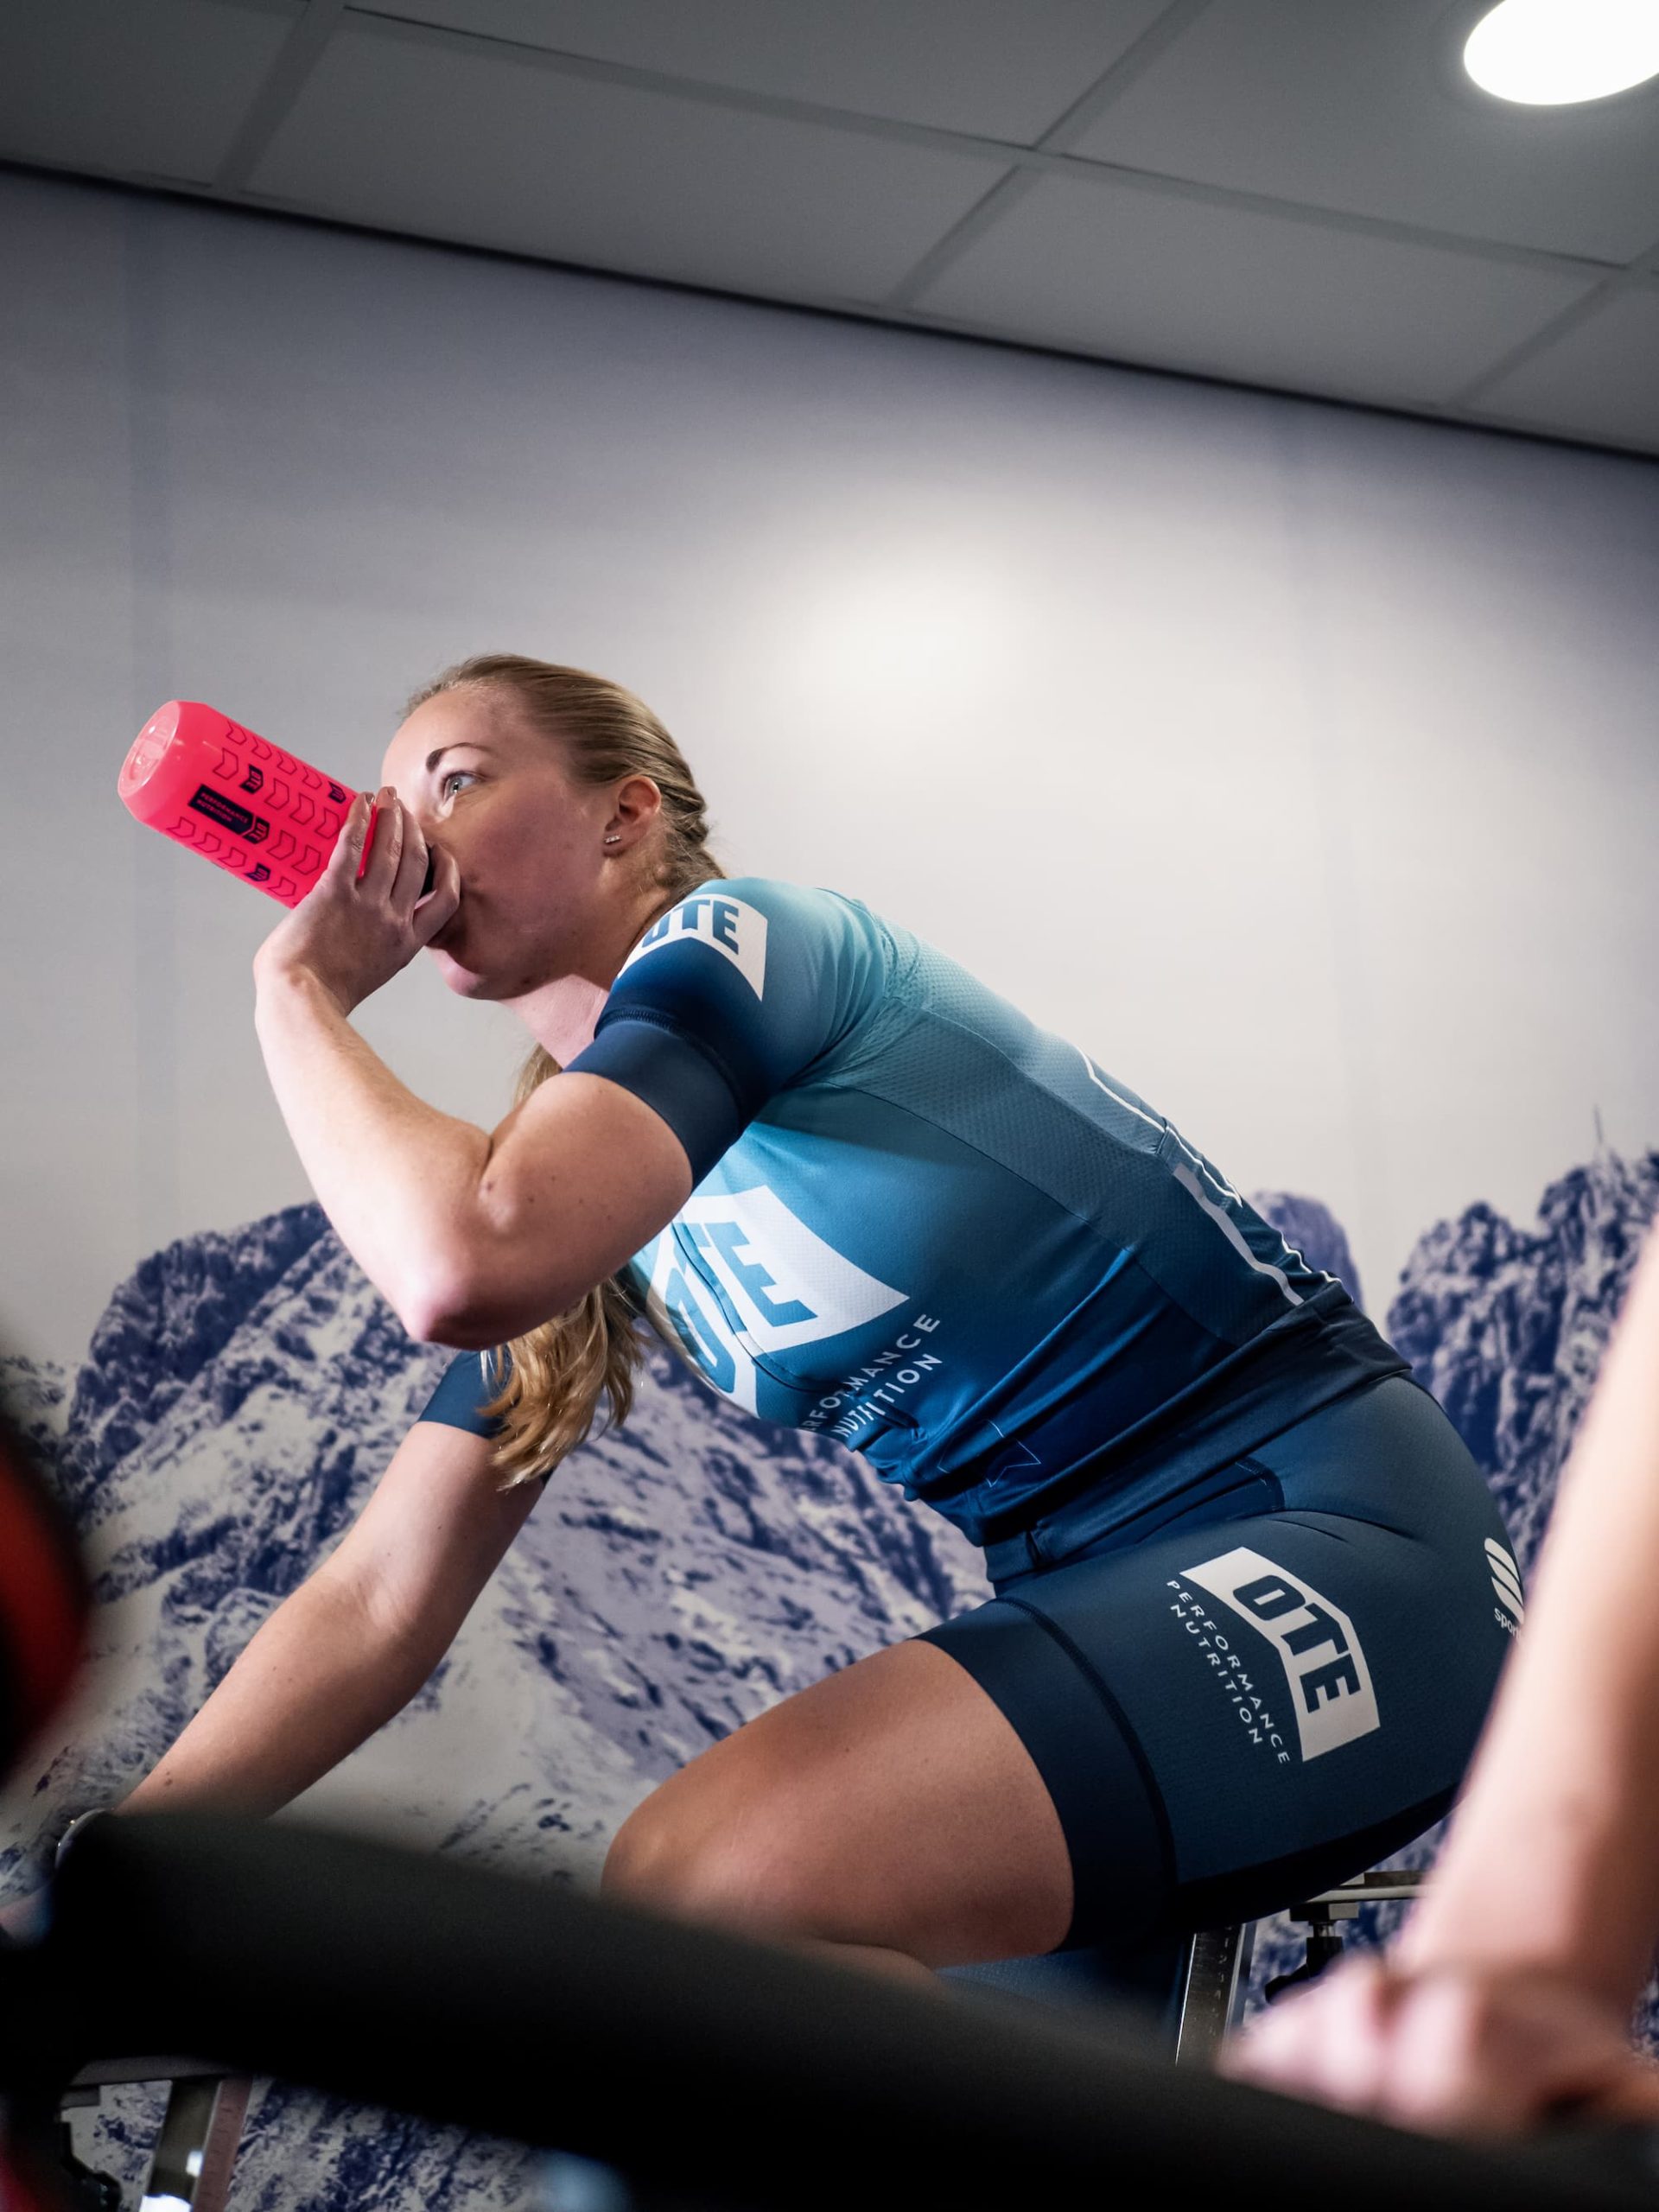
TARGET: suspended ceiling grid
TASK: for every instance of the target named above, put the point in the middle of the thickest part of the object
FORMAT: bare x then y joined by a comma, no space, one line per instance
1302,194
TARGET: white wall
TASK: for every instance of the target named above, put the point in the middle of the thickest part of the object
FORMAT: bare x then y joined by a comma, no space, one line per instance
1299,763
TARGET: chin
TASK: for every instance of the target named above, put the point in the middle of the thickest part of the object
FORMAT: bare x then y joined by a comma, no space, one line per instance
465,982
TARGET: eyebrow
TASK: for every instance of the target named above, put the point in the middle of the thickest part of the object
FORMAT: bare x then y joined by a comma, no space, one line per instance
455,746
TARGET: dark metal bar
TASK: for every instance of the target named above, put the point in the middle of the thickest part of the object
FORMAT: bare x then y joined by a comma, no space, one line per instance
196,2147
693,2062
1212,1992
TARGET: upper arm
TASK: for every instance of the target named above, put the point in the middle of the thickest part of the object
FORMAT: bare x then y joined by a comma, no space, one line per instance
724,1001
435,1529
579,1178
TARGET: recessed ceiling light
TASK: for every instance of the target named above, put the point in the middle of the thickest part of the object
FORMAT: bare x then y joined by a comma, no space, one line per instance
1552,53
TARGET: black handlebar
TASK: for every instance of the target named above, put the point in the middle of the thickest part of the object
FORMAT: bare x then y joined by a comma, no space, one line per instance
682,2055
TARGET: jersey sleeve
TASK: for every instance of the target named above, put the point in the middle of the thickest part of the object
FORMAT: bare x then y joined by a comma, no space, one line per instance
728,998
463,1388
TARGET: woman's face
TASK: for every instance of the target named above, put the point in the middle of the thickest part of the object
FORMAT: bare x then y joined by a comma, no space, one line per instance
528,842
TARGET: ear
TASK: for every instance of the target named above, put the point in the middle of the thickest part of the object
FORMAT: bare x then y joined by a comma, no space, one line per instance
635,804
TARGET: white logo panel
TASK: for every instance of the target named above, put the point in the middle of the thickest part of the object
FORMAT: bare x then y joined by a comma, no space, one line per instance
788,1286
1329,1683
736,931
683,1309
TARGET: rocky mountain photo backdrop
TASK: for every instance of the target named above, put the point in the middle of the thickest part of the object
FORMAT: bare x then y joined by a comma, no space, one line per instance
241,1395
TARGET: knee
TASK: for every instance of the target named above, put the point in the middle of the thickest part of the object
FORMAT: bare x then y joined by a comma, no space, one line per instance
641,1863
701,1867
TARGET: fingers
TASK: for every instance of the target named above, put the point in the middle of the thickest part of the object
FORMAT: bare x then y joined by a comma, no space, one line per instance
403,856
347,856
386,842
1631,2094
23,1919
409,875
382,851
1460,2061
1482,2055
372,827
434,912
1329,2042
382,843
1448,2053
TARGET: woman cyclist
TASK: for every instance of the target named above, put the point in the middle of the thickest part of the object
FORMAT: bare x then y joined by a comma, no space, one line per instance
1243,1634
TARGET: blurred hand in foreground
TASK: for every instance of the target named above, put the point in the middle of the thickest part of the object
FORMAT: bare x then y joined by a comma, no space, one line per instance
1450,2051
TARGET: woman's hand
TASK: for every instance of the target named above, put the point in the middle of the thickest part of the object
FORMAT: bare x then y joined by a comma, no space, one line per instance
353,934
1455,2050
22,1919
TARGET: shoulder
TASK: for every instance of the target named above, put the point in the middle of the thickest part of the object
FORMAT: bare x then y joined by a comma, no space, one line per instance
754,924
743,985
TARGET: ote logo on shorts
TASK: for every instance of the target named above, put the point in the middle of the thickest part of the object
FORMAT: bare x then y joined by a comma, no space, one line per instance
1329,1683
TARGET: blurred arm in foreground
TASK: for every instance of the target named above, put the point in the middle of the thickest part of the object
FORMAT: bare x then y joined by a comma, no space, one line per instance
1507,1998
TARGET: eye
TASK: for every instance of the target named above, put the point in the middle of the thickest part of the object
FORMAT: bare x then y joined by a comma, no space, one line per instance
445,779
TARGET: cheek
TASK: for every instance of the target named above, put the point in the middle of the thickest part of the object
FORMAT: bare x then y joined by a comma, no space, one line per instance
528,854
519,871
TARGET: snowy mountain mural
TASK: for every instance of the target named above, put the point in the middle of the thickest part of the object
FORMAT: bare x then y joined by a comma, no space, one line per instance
1314,1231
1507,1326
241,1395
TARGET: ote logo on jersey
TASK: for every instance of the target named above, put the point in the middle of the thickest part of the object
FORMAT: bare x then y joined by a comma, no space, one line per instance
782,1285
737,931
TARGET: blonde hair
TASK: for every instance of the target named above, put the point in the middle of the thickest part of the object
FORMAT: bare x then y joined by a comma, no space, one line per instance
560,1370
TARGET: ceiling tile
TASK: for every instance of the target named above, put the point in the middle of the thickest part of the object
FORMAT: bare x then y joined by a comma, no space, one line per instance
148,87
1599,379
397,130
959,65
1175,283
1362,108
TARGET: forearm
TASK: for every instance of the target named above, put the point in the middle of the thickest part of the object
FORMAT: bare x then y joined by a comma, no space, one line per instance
317,1680
1550,1872
1554,1858
398,1179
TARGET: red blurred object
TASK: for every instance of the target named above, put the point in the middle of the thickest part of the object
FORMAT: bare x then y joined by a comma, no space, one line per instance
234,797
44,1599
30,2180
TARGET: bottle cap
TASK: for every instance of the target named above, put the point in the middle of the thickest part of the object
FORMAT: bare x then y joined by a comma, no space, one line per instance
164,763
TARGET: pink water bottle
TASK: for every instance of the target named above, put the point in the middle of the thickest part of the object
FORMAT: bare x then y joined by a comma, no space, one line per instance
237,799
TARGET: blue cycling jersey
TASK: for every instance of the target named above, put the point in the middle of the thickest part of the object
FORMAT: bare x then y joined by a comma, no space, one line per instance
930,1229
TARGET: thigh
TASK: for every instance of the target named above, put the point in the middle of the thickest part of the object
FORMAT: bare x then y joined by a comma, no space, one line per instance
892,1804
1300,1690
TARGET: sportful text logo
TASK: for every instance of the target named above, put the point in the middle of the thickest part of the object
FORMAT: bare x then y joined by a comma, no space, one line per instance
727,926
1329,1683
1506,1580
783,1286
